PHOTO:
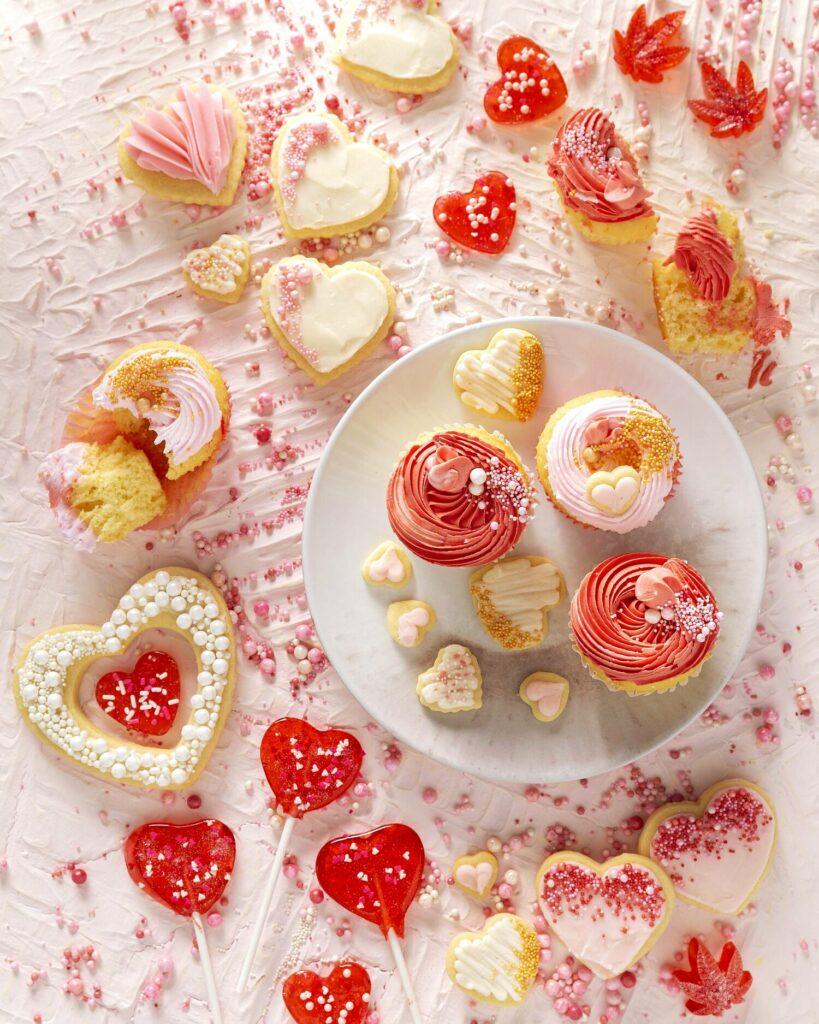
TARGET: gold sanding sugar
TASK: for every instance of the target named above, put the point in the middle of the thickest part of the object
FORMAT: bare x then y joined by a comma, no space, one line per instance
655,439
143,378
527,378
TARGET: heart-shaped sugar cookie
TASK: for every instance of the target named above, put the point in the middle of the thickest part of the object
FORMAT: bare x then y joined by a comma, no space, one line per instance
50,673
613,492
505,379
499,963
476,874
324,182
718,849
401,45
410,621
546,693
387,566
512,599
327,318
453,683
608,915
219,271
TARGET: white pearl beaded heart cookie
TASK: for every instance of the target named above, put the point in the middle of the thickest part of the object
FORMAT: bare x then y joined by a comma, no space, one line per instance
51,670
219,271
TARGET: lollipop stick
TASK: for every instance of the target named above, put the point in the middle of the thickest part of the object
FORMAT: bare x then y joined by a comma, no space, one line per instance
403,974
267,896
207,967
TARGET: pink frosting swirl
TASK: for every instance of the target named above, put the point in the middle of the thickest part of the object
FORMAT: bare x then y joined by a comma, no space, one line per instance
704,254
193,140
439,512
594,170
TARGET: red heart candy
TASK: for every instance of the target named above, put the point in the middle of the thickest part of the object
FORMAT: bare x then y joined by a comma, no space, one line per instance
184,867
482,219
145,700
343,997
375,875
530,86
308,768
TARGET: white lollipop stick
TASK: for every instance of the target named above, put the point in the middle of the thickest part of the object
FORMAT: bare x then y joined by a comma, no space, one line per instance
207,967
267,897
403,974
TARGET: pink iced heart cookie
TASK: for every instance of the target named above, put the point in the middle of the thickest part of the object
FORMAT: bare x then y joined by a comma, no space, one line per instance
387,566
475,875
546,693
608,915
718,849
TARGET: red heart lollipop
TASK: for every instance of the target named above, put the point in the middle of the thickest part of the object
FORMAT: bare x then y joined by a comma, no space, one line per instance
482,219
308,768
375,875
185,867
145,700
343,997
530,86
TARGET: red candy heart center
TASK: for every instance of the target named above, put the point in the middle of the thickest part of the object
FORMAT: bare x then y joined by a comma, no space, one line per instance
530,86
308,768
343,997
375,875
145,700
184,867
482,219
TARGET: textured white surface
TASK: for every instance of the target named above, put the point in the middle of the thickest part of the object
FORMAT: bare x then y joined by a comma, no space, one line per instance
63,100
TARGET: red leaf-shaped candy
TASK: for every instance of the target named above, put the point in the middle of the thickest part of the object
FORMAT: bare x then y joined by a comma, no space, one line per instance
343,997
643,52
712,986
308,768
185,867
729,110
144,700
482,219
530,86
375,875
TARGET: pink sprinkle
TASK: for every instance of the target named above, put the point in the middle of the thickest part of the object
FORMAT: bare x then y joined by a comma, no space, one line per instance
118,219
804,495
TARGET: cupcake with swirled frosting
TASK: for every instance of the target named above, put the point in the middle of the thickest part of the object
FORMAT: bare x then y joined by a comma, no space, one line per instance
644,623
460,496
598,181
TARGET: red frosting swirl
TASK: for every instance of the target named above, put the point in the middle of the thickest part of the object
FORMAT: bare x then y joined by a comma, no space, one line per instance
595,172
632,642
704,254
448,524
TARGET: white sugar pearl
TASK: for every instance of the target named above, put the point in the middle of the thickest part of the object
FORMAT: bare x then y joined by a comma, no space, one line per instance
107,629
53,679
77,742
204,733
221,643
118,617
162,599
220,667
41,658
204,678
123,632
179,604
174,588
478,475
217,628
188,732
211,610
163,779
126,602
208,658
118,771
475,489
178,776
147,760
162,578
197,700
107,759
152,609
299,652
112,645
209,692
133,763
200,638
134,615
136,591
54,701
182,753
64,658
183,621
161,760
201,717
99,746
652,615
197,613
150,589
29,693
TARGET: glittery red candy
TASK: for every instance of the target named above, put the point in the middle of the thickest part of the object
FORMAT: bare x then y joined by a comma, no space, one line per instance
482,219
343,997
145,700
729,110
642,52
712,986
530,86
375,875
184,867
308,768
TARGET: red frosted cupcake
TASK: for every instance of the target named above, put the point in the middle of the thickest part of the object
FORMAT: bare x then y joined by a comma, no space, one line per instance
460,496
644,622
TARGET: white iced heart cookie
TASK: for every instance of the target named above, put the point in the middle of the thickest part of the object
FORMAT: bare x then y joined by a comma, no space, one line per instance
51,670
475,875
410,621
613,492
546,693
219,271
453,683
499,963
327,318
325,183
608,915
512,599
401,45
505,379
387,566
718,849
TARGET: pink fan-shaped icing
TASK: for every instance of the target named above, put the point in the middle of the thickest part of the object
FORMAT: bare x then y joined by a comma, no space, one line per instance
193,140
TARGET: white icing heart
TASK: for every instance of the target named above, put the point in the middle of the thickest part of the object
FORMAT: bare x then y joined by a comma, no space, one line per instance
614,497
394,37
453,683
499,963
475,876
51,670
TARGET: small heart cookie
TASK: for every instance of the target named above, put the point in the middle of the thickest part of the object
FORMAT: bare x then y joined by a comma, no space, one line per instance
410,621
325,182
476,874
608,915
327,318
191,151
453,683
718,849
512,599
219,271
397,45
498,964
546,693
505,379
613,492
387,566
50,672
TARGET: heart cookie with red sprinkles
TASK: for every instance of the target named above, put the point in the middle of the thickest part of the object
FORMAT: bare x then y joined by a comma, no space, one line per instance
483,218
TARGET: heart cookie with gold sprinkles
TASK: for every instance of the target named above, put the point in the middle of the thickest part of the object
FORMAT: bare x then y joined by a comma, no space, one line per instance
498,964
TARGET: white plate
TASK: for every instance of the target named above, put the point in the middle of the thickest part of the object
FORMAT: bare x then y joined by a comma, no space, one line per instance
716,521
